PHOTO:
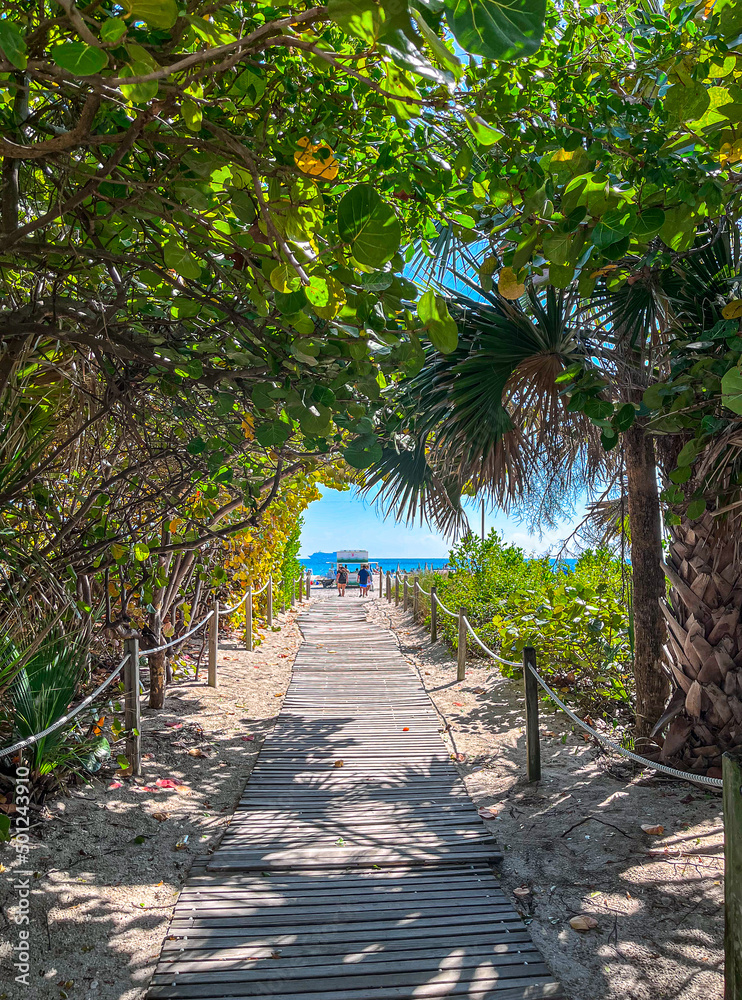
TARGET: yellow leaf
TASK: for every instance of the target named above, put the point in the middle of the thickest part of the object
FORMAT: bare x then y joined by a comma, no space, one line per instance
326,169
601,19
508,284
731,152
732,310
653,829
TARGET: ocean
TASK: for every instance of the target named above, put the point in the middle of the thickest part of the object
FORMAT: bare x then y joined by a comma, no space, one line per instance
319,563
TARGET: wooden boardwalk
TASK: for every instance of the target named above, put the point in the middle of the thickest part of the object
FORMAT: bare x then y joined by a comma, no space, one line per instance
355,866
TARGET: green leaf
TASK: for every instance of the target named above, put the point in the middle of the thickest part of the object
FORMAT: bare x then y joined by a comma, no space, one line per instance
681,475
112,29
442,329
360,455
285,279
273,434
625,417
482,132
4,827
497,30
157,13
360,18
613,227
181,260
79,58
141,551
192,115
369,225
687,454
731,390
315,420
13,44
649,223
695,509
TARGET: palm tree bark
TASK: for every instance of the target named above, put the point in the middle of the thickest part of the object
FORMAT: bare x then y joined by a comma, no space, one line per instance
652,685
705,643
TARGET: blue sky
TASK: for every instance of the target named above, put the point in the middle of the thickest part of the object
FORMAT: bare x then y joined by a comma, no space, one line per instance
341,520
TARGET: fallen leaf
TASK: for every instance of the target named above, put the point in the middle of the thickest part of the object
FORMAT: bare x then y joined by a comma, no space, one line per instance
160,817
583,923
405,729
196,752
479,691
279,695
339,763
486,813
654,830
459,704
521,891
174,725
248,738
115,784
460,757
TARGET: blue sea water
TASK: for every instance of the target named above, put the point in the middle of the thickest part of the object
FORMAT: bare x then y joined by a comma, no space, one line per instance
319,563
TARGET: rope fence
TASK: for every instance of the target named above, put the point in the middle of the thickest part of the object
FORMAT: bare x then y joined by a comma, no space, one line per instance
30,740
533,679
129,665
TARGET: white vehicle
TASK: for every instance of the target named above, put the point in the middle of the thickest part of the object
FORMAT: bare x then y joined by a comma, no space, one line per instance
353,559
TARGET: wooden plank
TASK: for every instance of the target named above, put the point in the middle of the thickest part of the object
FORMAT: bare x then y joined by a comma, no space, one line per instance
342,883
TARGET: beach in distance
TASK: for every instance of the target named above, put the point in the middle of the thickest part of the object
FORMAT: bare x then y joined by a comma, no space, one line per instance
319,563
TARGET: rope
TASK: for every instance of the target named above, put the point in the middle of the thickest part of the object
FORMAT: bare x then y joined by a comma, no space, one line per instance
443,607
674,772
65,718
509,663
637,758
423,590
173,642
228,611
260,591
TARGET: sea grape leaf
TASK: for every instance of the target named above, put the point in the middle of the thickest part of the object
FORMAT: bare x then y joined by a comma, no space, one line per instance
497,30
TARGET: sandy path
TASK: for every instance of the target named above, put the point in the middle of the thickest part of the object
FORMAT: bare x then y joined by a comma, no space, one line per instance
573,844
107,866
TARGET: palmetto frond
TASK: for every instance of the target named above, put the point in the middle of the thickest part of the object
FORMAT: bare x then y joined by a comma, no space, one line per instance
489,418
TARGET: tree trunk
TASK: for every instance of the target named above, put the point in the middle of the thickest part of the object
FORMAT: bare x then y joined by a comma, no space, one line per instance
652,686
704,649
157,678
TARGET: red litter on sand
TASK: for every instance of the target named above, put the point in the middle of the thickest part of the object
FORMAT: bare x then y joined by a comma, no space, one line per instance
248,737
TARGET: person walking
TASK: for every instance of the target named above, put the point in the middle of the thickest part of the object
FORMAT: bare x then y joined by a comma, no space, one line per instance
364,577
342,580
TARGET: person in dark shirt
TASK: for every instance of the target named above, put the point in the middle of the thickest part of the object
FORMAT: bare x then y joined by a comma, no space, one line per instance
364,580
342,580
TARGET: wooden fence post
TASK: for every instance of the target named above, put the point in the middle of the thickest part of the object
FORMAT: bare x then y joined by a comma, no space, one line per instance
248,621
732,772
461,651
415,599
405,598
269,601
293,592
396,590
433,615
533,744
309,585
389,586
213,644
381,583
132,707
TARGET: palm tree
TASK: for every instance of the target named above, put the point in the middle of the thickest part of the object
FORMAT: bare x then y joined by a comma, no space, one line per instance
491,418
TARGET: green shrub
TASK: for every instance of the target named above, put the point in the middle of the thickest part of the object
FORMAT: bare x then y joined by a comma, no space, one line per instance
578,619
